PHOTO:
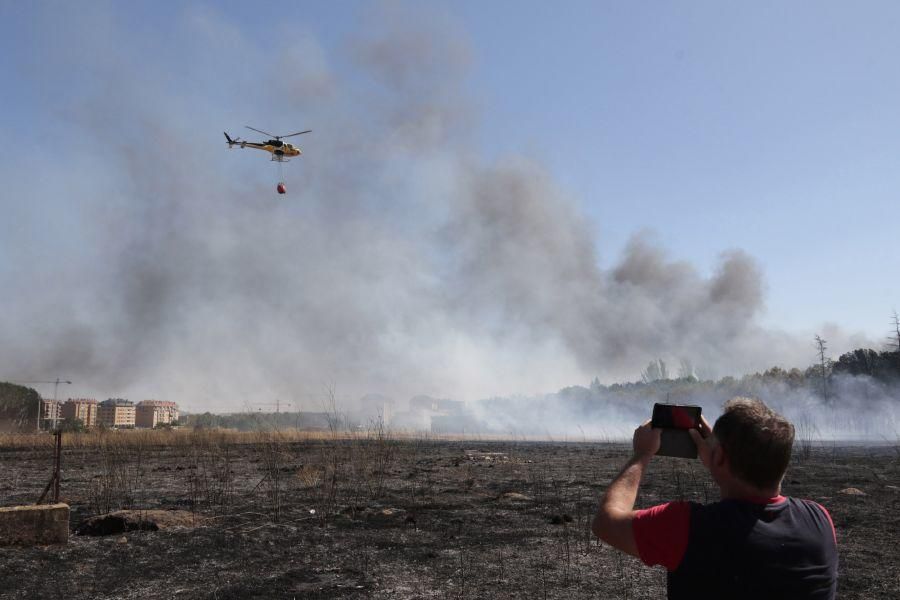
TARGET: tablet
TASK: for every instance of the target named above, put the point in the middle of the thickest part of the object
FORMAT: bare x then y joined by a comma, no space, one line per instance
675,420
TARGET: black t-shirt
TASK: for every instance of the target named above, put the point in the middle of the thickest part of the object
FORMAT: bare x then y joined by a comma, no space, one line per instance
761,548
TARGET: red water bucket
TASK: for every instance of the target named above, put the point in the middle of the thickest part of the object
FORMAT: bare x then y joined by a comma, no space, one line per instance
281,188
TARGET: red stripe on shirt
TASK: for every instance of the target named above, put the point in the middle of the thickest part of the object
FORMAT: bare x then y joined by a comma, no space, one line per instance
661,533
763,500
828,514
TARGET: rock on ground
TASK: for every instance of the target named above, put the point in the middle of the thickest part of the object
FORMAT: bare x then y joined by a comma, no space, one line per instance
121,521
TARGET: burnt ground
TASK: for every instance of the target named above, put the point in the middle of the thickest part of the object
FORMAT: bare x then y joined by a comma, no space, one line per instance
412,519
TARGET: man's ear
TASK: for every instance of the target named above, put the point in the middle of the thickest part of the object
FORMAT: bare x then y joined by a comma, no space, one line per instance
719,458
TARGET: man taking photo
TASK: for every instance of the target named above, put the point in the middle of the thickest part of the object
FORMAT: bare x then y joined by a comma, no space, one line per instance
753,543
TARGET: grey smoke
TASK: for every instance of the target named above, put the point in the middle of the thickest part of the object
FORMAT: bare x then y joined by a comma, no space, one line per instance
860,409
398,262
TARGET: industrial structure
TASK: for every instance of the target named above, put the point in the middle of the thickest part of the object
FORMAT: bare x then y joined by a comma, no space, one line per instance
439,415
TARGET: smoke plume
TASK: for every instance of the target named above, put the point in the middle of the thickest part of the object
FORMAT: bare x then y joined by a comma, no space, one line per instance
155,262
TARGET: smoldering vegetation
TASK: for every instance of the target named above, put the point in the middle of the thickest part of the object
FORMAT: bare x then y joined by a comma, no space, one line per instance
858,409
401,261
855,398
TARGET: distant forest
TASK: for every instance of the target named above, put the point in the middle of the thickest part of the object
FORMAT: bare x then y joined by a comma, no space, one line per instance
879,367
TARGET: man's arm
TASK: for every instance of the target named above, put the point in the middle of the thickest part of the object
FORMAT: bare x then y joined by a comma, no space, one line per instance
612,524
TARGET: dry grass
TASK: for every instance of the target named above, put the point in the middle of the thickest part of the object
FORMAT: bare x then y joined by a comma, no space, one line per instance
807,434
131,438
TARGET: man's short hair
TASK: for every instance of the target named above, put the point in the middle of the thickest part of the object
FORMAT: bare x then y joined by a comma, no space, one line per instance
756,440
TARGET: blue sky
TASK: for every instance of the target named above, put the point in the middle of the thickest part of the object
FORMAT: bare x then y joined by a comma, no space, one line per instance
768,127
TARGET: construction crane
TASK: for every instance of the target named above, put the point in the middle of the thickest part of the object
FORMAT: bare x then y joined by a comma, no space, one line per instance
55,384
55,391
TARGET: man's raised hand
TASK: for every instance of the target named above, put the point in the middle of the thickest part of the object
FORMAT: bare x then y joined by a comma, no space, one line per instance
646,441
703,439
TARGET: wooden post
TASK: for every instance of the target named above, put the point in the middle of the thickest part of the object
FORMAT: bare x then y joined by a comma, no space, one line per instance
54,479
56,470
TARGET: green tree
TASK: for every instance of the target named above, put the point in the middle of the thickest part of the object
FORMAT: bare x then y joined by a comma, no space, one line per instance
20,407
72,425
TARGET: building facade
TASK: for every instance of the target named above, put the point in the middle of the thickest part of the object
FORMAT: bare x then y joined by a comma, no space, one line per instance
116,412
49,413
83,409
150,413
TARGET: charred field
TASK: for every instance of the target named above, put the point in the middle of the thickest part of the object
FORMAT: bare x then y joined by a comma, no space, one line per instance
371,516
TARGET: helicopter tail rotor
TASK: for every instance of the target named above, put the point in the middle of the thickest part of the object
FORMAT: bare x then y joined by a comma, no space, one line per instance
231,142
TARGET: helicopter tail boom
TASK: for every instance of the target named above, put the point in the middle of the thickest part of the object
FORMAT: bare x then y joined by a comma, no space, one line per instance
231,142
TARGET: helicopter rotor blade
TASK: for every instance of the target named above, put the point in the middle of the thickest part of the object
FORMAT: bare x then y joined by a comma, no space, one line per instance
298,133
262,132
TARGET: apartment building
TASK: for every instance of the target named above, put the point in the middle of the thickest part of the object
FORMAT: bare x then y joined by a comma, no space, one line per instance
116,412
49,413
150,413
83,409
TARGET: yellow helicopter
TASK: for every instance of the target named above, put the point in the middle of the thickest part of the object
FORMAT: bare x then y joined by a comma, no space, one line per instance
279,150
